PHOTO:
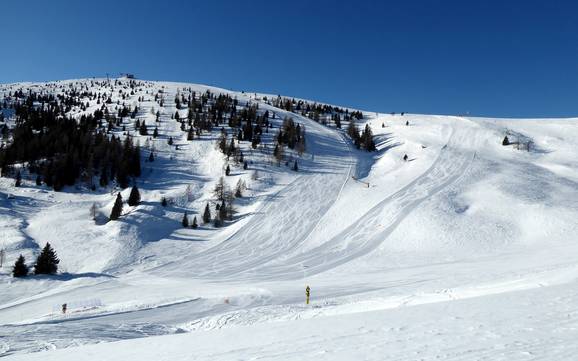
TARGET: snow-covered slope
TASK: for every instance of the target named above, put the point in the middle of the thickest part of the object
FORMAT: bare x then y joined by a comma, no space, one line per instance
466,251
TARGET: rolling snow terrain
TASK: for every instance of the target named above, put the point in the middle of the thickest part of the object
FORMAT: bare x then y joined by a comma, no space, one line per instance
466,251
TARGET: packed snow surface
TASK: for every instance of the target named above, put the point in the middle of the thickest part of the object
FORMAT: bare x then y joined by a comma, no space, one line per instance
466,251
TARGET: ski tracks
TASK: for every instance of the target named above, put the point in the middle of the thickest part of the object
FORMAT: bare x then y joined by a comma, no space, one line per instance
373,228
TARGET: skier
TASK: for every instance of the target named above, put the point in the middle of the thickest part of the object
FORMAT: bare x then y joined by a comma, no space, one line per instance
405,158
307,294
64,307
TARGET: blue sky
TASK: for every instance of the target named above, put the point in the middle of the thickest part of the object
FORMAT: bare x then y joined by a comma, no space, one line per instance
497,58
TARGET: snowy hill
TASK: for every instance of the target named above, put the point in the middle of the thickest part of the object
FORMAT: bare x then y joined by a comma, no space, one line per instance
466,250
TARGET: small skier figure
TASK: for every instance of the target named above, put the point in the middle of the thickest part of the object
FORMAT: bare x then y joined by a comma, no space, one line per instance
407,123
64,307
307,294
405,158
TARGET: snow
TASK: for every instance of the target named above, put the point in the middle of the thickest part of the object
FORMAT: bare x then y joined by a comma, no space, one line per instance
465,252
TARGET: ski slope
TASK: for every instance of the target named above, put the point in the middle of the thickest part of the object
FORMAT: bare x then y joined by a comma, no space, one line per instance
467,251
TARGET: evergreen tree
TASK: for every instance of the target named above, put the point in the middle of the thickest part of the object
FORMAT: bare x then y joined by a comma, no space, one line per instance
143,129
295,167
207,214
20,268
353,133
195,225
117,208
134,197
170,142
18,182
156,132
506,141
222,213
367,139
185,221
47,262
151,157
163,202
227,170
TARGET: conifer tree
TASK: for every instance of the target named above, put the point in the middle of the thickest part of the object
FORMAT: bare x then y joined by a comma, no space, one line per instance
164,202
151,157
134,197
195,225
185,221
207,214
222,213
506,141
117,208
295,167
143,129
20,268
228,170
367,139
47,262
18,179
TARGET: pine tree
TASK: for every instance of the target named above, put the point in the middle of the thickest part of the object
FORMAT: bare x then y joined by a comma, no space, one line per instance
47,262
18,182
207,214
353,133
195,225
228,170
170,142
506,141
20,268
143,129
117,208
156,132
151,157
164,202
222,212
367,139
295,167
134,197
185,221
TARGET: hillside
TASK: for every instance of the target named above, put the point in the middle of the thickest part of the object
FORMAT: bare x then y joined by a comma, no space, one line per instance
465,250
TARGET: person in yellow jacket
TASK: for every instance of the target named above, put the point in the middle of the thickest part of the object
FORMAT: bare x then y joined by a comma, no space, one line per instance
307,294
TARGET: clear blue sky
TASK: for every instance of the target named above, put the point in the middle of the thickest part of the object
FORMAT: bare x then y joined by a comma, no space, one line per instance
500,58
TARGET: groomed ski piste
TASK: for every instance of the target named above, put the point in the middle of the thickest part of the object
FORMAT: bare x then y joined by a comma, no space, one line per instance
466,251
